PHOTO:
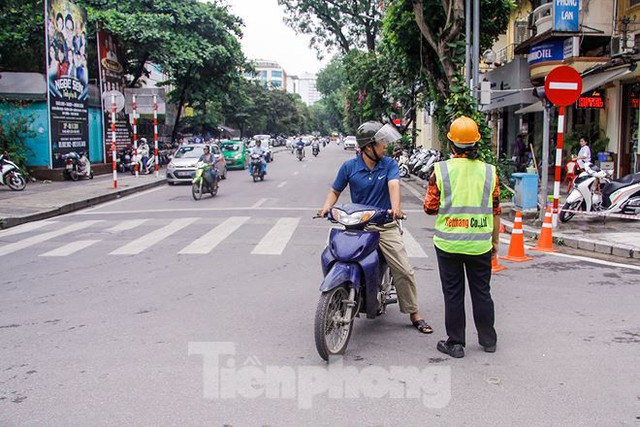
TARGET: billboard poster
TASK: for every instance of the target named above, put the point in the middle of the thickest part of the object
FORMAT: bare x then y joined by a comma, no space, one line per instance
67,79
112,82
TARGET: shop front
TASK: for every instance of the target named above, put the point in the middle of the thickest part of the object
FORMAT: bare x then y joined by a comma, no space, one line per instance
628,146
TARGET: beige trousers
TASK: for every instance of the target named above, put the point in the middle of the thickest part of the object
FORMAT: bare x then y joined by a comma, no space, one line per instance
392,246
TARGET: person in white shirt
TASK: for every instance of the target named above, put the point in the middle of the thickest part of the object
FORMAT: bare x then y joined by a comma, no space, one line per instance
257,149
584,155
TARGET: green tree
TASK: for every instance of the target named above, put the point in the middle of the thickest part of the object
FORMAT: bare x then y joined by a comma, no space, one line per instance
22,36
345,25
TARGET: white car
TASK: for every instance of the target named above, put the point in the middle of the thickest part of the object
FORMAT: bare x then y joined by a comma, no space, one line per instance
350,143
183,164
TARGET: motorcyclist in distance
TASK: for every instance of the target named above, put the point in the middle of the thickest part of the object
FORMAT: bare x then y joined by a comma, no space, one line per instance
207,157
300,146
259,150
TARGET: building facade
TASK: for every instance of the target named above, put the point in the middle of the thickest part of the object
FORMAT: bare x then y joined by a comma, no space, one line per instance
269,74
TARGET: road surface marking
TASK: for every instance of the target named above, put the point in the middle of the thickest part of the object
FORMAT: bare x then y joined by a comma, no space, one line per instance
213,238
34,240
413,191
282,184
274,242
414,250
296,173
258,203
123,199
153,237
128,225
30,226
71,248
304,166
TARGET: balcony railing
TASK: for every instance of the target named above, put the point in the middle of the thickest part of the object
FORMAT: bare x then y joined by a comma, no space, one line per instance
541,19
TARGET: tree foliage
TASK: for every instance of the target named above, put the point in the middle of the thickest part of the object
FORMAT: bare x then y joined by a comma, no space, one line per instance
345,25
22,36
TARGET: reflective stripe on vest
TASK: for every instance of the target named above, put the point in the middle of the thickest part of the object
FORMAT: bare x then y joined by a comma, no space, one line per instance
465,218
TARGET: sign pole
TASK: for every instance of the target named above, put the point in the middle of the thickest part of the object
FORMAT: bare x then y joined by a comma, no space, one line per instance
556,184
113,141
155,132
135,135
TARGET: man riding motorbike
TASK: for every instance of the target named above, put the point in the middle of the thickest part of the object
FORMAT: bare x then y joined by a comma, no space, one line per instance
260,151
300,146
207,157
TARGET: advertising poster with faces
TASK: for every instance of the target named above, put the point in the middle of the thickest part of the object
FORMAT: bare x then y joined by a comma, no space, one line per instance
112,79
67,79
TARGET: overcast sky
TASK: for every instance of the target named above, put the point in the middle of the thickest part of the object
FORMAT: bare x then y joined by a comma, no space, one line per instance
266,36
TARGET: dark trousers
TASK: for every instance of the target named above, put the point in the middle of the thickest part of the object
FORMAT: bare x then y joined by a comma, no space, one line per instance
452,269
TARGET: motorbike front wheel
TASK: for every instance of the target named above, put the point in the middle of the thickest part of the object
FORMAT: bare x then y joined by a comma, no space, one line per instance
15,181
565,216
196,190
331,334
73,174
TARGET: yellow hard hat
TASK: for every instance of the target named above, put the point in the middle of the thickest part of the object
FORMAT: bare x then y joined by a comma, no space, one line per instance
464,131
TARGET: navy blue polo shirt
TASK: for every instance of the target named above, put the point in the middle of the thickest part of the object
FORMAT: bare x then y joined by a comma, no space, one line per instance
367,186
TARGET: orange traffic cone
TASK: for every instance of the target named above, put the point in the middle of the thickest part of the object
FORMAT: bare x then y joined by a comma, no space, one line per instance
545,242
516,246
495,267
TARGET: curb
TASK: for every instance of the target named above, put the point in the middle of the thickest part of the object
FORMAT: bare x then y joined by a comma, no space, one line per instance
74,206
584,244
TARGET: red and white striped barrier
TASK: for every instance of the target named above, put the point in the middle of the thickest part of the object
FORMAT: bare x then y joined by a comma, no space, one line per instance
135,135
556,184
155,132
113,141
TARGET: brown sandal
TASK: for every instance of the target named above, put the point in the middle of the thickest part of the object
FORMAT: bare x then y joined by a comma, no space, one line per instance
422,326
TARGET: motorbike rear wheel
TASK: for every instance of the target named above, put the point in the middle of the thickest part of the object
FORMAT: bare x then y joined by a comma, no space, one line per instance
196,190
565,216
214,188
331,336
15,181
73,174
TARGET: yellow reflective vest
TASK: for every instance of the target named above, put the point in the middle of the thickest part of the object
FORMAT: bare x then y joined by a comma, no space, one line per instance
465,216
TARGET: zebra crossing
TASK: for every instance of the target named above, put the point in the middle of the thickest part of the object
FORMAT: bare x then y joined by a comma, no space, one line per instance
276,234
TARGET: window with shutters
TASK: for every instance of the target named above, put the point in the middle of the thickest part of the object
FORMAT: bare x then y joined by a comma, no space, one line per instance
520,31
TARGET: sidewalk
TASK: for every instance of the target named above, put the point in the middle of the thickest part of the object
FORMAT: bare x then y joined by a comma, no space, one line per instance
46,199
609,236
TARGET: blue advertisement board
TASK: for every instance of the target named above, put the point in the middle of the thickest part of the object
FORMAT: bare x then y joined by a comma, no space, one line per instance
566,15
548,51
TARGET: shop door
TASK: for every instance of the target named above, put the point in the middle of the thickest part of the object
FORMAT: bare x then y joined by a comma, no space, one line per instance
628,149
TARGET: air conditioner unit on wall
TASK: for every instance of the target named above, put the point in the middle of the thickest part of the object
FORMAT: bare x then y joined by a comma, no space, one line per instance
618,47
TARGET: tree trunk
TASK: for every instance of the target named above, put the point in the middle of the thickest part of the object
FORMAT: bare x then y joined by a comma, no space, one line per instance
140,71
183,97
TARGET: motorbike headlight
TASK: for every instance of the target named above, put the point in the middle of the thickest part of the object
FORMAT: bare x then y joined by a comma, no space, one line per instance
171,166
351,219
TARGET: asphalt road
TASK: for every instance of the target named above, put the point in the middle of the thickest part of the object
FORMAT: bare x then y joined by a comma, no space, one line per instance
160,310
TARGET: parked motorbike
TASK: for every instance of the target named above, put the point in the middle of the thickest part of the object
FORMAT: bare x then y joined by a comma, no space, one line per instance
300,153
124,160
315,150
77,166
10,174
402,160
595,191
357,279
138,159
427,168
257,171
202,183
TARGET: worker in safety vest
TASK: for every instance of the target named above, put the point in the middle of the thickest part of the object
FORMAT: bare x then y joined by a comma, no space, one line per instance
465,194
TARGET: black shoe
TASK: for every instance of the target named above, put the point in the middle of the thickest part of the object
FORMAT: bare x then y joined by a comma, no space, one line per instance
453,350
490,348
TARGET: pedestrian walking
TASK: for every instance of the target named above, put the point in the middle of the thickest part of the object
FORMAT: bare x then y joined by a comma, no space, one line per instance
465,194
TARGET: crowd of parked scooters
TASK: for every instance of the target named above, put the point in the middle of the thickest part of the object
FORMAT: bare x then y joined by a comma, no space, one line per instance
418,162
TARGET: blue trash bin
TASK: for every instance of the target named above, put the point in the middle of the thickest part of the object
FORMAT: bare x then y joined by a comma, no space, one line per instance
526,187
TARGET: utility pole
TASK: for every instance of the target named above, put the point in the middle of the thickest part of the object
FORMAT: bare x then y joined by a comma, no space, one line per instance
476,50
467,39
545,159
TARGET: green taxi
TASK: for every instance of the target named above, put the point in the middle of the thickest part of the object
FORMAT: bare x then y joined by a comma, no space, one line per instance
235,153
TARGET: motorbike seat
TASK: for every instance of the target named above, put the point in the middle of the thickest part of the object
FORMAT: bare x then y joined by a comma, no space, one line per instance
625,181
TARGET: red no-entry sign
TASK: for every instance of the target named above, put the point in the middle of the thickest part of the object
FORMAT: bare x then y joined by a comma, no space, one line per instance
563,86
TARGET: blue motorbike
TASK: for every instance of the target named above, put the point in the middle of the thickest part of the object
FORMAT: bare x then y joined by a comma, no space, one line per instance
357,279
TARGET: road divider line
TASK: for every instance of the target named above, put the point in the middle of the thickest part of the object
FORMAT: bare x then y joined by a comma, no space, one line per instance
71,248
127,225
213,238
34,240
282,184
414,250
274,242
153,237
30,226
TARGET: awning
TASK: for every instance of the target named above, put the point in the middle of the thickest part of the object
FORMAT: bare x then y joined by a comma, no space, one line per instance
589,83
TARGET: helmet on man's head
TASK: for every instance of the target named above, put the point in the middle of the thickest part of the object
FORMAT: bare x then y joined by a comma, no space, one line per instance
463,132
370,132
366,133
